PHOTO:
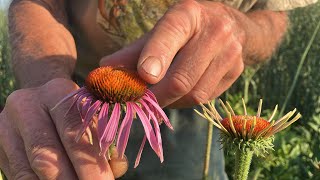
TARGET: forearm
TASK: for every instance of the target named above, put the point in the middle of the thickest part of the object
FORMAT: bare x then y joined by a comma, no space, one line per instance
263,32
42,46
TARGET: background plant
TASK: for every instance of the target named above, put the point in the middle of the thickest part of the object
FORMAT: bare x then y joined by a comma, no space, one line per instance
295,149
6,78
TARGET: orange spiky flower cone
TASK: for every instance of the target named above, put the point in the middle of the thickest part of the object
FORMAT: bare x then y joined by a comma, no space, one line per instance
246,134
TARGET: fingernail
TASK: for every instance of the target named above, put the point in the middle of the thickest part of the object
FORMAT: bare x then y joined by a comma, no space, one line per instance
152,66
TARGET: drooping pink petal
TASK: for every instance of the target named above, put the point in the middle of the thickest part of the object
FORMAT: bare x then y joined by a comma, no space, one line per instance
136,163
151,95
85,106
84,101
110,130
91,112
76,97
155,112
71,106
156,128
79,91
148,129
153,109
124,131
102,120
79,105
159,110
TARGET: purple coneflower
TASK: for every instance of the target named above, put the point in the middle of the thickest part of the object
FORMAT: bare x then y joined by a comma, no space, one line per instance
109,91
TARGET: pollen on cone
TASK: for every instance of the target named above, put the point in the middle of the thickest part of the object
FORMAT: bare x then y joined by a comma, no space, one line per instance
239,122
115,84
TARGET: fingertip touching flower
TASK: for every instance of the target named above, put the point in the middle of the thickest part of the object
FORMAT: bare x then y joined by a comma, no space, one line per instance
114,96
250,132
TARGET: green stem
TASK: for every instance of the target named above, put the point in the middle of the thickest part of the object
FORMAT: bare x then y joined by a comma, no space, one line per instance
243,161
303,58
257,173
246,90
248,75
208,152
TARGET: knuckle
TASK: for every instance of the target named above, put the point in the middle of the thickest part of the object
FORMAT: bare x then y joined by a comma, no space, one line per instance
49,93
17,169
70,128
181,83
199,96
189,6
235,72
15,97
62,83
70,131
24,174
237,48
224,22
44,162
234,54
226,26
182,16
69,122
44,154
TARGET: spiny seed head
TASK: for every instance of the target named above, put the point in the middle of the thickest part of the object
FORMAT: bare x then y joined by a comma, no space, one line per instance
113,85
240,120
247,132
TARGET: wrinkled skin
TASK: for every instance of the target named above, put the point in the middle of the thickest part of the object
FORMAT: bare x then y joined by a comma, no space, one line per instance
200,57
205,48
40,143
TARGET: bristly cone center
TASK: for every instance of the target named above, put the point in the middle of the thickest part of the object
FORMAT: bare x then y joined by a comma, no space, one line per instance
239,121
115,85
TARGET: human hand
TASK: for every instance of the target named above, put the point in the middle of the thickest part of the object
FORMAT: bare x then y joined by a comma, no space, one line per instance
192,55
36,143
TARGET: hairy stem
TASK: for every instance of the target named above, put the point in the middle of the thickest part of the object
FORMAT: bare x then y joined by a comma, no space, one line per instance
243,161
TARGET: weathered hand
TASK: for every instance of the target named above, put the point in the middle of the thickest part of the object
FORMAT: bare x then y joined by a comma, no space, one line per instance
36,143
192,55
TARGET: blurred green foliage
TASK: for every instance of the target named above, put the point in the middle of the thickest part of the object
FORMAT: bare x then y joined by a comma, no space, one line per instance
6,77
297,148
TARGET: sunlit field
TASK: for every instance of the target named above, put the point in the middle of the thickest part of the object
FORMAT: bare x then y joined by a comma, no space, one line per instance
290,79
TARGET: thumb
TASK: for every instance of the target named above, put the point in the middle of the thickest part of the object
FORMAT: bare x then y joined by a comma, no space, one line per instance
167,38
118,165
126,57
152,54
